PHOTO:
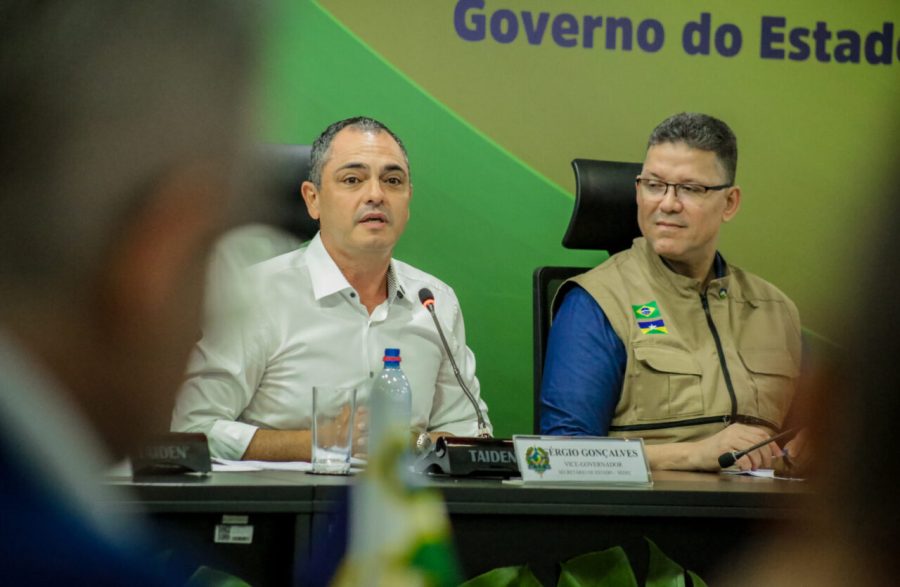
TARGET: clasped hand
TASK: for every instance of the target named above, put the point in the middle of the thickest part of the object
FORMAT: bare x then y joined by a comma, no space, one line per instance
738,437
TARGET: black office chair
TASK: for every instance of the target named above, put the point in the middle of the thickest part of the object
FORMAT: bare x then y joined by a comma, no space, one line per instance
604,218
282,168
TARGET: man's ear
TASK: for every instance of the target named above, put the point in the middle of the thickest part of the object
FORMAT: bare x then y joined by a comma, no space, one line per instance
168,237
732,203
311,196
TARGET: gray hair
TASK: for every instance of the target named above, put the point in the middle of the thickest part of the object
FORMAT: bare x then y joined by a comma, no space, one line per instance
98,101
321,147
700,131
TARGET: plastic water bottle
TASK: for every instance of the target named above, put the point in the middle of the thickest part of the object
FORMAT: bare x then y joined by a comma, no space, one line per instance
392,521
390,404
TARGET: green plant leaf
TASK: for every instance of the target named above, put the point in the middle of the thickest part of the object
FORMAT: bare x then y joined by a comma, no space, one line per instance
661,570
697,581
437,561
607,568
505,577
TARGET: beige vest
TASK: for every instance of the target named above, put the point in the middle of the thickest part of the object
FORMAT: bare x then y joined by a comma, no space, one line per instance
675,385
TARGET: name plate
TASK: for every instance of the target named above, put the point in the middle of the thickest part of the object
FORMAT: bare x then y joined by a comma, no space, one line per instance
582,460
171,454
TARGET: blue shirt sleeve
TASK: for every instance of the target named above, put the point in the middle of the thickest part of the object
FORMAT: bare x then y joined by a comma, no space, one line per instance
583,370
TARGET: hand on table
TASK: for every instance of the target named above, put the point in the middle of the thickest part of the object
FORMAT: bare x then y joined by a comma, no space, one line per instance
737,437
797,453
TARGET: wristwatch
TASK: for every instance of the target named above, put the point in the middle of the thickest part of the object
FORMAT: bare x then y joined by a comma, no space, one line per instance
423,443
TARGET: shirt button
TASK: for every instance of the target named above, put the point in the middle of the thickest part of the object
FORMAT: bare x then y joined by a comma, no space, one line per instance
352,294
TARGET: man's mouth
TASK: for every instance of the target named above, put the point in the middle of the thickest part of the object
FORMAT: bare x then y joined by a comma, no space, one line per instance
373,218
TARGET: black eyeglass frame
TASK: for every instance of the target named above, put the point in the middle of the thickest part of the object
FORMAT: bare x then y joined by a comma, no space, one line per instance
675,186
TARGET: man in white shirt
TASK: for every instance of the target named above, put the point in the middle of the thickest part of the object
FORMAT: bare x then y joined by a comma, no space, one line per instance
323,315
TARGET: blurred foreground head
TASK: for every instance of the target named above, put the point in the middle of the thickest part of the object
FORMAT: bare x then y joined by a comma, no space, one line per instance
122,125
851,528
858,427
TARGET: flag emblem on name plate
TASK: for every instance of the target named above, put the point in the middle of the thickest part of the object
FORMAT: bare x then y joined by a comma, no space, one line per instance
653,327
537,459
646,311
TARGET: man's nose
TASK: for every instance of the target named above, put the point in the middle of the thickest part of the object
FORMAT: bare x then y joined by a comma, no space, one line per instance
375,191
670,201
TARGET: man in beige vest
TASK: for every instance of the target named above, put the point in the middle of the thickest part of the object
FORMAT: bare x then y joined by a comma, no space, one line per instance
666,341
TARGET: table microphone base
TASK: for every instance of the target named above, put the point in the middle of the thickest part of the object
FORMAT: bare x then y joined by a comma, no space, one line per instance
460,456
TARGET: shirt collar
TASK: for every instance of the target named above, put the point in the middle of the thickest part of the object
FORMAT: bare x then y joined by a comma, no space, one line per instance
720,267
327,278
324,273
683,284
395,283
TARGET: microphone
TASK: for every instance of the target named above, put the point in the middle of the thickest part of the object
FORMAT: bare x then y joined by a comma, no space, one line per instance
479,456
427,299
729,458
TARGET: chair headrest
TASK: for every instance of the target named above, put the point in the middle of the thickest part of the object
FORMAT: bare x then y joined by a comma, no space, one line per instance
284,167
605,212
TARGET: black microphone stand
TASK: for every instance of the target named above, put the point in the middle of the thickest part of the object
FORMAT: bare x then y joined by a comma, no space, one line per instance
481,455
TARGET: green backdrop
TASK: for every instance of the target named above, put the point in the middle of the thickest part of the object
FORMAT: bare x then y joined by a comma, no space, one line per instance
493,104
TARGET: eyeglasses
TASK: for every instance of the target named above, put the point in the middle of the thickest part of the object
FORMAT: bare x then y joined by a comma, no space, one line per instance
657,189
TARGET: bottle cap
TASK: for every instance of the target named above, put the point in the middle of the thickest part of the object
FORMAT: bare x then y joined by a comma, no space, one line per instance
392,355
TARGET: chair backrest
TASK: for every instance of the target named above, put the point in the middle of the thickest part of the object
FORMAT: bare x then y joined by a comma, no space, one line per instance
605,214
283,168
545,283
604,218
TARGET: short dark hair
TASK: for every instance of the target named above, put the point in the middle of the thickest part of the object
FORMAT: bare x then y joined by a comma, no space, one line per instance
700,131
322,145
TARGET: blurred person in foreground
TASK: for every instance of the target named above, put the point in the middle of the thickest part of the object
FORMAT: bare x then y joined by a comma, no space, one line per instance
121,124
849,532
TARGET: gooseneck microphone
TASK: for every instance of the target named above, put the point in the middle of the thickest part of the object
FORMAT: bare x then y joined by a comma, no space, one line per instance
427,299
729,458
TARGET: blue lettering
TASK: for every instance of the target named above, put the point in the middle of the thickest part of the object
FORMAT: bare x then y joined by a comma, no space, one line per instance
885,39
643,35
474,21
512,26
848,51
725,48
565,25
798,42
615,24
535,31
695,37
770,37
589,25
476,33
822,35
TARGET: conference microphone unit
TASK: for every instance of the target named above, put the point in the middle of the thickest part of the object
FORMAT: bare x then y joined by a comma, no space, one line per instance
477,456
729,458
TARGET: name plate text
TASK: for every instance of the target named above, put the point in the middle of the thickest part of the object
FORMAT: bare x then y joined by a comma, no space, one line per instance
582,460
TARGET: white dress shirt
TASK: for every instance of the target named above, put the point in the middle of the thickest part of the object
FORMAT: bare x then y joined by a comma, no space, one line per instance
307,328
